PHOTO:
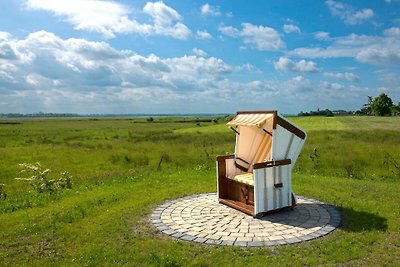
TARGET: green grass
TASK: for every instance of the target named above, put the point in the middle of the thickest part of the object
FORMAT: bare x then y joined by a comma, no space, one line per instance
119,180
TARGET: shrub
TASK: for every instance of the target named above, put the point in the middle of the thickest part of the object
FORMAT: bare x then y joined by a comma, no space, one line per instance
65,181
40,180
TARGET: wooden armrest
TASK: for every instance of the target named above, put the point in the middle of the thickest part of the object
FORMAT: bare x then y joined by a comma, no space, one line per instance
224,157
269,164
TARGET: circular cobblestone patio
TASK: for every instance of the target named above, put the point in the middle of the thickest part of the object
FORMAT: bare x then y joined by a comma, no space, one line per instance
200,218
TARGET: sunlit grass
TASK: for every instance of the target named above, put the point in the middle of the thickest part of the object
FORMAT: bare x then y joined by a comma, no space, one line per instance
124,168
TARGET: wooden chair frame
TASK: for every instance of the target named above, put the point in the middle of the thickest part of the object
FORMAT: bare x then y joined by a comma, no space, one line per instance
271,177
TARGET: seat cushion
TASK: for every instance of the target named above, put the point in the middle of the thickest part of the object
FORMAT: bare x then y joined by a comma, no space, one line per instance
245,178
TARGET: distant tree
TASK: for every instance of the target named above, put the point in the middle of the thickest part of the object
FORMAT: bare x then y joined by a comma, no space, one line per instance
366,109
382,105
150,119
318,112
396,109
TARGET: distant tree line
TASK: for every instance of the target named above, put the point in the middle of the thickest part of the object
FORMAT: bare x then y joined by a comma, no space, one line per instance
381,105
39,115
318,112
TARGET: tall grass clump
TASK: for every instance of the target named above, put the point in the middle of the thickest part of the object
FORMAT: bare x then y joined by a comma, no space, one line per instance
3,194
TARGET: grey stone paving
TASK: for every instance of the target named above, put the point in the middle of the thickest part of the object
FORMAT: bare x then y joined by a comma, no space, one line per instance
200,218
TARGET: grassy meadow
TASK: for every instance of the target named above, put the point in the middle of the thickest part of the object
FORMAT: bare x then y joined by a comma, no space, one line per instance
123,168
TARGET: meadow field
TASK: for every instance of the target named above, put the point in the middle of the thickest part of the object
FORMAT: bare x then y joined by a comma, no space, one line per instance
123,168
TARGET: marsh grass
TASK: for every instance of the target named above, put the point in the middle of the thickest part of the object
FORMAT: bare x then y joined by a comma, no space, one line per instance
124,168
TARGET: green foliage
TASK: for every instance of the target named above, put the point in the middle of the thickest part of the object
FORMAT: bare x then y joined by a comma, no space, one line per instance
40,180
366,109
65,181
382,105
326,112
396,109
3,194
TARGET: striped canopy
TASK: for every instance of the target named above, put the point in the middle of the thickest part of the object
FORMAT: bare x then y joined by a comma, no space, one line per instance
254,119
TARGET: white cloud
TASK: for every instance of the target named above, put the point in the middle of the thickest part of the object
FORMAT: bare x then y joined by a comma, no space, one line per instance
286,64
203,35
229,31
375,50
248,67
289,28
52,74
110,18
348,14
323,36
72,71
199,52
392,32
346,75
166,20
209,10
30,79
389,78
331,86
297,85
263,38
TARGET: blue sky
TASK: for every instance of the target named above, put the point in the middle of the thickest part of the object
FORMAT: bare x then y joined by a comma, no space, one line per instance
92,56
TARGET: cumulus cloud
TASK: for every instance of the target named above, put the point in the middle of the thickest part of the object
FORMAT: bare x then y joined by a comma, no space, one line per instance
209,10
262,38
286,64
331,86
166,20
203,35
346,75
80,71
52,74
348,14
323,36
392,32
110,18
199,52
375,50
297,85
289,28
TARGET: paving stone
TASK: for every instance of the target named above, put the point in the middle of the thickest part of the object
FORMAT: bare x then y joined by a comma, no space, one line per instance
237,234
214,242
188,237
169,232
244,239
229,238
200,218
240,244
200,240
293,240
281,242
227,243
256,244
177,235
271,243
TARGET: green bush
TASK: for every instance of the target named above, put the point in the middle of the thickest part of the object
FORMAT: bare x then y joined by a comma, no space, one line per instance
40,180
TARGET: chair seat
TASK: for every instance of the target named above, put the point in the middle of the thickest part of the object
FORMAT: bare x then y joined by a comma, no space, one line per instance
245,178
